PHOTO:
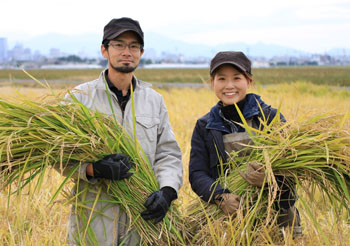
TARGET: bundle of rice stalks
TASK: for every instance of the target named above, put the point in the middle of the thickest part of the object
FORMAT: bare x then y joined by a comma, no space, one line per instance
35,136
314,153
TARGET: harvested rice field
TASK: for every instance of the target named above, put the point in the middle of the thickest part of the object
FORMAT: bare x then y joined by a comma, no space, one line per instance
28,217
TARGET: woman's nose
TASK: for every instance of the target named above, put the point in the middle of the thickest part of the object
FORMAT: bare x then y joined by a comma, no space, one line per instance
230,84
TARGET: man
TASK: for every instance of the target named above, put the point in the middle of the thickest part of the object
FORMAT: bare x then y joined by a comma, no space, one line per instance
122,46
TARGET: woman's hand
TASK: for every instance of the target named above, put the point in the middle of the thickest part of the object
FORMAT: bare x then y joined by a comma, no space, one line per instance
255,174
228,202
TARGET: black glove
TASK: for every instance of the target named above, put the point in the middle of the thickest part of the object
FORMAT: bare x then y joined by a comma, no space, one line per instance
158,204
114,166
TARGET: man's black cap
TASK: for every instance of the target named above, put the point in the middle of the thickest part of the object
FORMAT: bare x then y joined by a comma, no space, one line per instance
118,26
235,58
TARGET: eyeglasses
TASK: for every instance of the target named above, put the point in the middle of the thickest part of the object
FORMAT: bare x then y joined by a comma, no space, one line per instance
133,47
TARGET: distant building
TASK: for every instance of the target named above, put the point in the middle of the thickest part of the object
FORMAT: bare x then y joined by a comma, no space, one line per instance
150,54
19,53
37,57
3,49
55,53
260,64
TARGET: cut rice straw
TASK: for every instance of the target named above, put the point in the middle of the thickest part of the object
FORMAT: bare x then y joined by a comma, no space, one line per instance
315,151
38,135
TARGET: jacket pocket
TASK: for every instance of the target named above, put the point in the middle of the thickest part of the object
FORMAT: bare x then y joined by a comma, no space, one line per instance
147,127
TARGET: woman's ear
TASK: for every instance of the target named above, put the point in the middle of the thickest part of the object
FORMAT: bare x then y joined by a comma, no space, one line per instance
212,81
250,83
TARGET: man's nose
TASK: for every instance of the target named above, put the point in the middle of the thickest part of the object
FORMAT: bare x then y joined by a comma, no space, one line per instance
126,51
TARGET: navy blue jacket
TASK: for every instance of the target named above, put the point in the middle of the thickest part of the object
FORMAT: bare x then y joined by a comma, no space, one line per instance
207,145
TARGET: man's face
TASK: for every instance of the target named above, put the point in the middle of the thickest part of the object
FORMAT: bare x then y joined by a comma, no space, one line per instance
121,53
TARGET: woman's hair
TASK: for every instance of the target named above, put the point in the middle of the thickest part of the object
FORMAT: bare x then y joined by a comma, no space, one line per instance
248,76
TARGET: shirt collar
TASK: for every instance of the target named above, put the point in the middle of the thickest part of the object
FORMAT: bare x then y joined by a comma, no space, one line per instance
216,120
113,88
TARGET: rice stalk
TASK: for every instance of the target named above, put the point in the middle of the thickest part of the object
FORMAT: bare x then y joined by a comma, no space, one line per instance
35,136
315,151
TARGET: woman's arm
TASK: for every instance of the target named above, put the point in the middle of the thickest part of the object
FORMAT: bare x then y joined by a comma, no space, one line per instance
200,175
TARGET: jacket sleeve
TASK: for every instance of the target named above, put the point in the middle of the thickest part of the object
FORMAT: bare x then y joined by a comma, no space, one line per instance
200,174
168,163
80,173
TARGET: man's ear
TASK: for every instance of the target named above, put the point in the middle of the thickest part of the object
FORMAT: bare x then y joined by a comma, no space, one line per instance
104,51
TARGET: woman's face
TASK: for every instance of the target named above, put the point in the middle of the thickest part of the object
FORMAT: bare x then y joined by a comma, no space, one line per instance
229,84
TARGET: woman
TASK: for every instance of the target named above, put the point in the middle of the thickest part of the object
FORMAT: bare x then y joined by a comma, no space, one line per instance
218,133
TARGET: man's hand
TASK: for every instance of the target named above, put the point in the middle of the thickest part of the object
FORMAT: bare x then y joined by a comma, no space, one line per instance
255,174
114,167
228,202
158,204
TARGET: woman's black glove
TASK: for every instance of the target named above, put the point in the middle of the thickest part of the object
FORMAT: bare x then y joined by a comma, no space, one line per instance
158,204
114,166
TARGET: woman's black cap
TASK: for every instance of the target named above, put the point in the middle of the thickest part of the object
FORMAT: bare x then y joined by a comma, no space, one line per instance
235,58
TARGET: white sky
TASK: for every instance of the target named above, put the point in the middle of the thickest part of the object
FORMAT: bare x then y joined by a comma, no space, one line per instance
309,25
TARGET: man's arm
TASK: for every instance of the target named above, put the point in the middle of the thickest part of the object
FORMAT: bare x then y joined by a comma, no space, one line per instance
168,164
80,173
167,168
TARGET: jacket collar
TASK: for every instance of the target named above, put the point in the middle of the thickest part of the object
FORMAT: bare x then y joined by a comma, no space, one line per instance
251,109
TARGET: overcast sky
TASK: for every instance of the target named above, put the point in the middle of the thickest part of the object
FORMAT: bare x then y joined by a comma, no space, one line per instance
309,25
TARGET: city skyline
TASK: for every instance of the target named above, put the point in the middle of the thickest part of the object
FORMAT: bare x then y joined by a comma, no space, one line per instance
313,26
23,57
157,48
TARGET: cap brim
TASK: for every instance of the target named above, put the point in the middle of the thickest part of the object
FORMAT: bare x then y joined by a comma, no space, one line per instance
122,31
227,62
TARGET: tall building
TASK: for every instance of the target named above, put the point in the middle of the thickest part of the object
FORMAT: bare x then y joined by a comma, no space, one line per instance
55,53
19,53
3,49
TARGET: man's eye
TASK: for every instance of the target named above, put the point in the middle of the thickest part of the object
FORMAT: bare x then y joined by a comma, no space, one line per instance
119,45
134,46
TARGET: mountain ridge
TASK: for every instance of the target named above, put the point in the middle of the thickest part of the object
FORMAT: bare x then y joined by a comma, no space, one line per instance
157,45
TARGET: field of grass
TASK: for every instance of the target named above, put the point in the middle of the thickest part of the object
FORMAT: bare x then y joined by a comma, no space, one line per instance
317,75
28,220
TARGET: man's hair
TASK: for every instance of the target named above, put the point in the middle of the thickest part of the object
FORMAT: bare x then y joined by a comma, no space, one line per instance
105,44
